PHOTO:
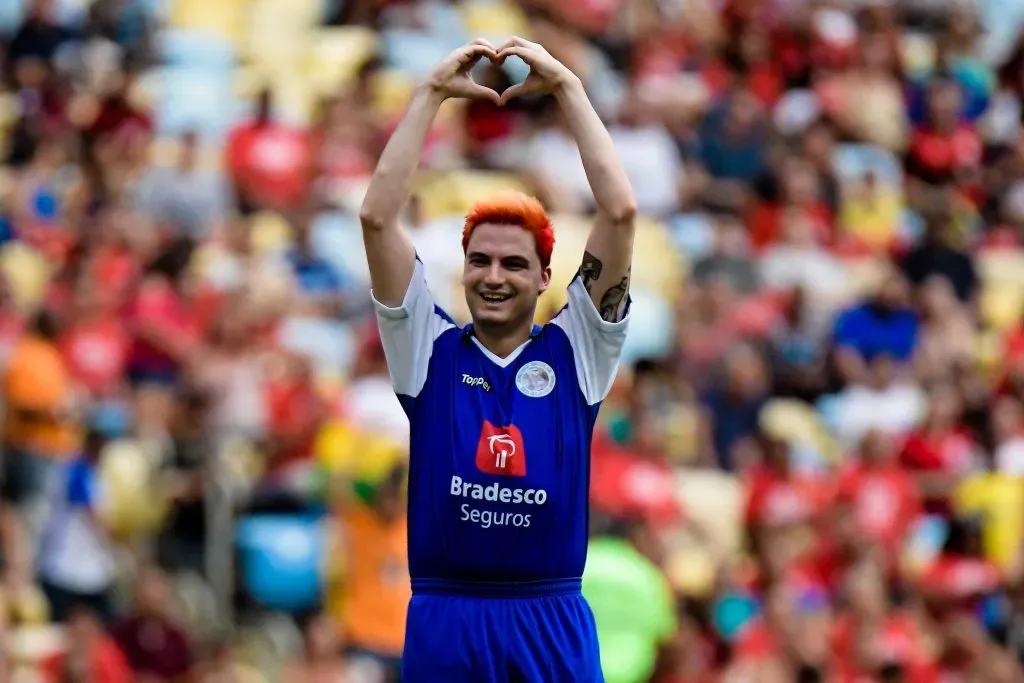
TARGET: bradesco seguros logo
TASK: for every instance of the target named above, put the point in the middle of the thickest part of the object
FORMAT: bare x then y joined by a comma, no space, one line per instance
499,452
503,496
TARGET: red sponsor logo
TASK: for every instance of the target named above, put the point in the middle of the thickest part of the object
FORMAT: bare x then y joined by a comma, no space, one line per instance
500,451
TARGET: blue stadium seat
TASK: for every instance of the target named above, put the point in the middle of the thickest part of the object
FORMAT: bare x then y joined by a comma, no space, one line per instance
184,48
650,328
282,560
195,99
413,52
853,161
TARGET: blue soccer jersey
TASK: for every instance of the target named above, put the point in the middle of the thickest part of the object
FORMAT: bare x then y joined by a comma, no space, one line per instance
499,468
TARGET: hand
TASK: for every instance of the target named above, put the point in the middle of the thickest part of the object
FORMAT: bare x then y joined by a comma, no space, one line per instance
451,77
547,74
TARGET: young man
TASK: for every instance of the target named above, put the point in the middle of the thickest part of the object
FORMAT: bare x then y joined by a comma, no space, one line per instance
501,412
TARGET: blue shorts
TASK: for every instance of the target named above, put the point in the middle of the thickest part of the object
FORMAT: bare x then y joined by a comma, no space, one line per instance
540,633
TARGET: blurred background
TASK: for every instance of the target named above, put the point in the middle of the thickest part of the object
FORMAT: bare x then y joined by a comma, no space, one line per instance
809,468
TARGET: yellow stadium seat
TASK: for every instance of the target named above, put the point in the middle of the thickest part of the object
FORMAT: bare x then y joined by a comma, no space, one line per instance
391,92
1001,304
489,18
1002,266
796,422
225,18
270,232
988,352
864,275
132,506
999,498
31,644
714,501
342,449
280,30
692,572
453,193
337,54
27,273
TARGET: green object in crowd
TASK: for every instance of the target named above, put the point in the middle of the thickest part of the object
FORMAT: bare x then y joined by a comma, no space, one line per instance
619,429
633,607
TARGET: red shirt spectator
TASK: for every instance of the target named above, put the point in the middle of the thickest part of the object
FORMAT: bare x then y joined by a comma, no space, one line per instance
91,655
783,498
271,162
884,497
96,352
295,411
941,451
625,483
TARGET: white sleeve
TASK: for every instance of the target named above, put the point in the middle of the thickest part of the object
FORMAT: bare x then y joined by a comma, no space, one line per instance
408,333
596,343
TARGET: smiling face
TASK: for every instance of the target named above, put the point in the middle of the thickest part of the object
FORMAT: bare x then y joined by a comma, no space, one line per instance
502,276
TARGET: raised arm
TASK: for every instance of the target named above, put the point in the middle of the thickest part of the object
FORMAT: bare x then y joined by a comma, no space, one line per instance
609,252
389,251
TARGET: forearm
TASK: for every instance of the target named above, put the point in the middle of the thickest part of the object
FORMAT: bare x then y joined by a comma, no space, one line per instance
390,254
392,180
608,180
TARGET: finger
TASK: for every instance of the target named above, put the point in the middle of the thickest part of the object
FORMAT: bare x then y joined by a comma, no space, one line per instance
482,92
518,90
485,43
519,41
471,53
524,53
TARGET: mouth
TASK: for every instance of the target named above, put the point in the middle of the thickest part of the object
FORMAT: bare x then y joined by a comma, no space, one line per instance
495,297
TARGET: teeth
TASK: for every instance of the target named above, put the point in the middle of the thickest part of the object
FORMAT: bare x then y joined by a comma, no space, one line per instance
494,297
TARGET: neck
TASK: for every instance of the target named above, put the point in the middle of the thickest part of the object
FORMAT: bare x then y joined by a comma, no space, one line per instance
502,341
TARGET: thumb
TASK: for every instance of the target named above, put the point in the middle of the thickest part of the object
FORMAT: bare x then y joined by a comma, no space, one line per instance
483,92
512,92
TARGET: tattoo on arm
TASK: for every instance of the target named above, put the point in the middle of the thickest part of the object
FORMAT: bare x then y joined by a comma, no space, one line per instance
611,302
590,270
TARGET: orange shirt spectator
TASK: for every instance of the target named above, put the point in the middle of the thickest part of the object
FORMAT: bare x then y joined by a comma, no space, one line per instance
38,392
378,588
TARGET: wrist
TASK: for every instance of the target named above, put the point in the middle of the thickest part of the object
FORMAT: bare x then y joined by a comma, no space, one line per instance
569,85
430,93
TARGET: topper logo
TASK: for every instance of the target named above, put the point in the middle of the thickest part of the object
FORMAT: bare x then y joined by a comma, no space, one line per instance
472,381
500,451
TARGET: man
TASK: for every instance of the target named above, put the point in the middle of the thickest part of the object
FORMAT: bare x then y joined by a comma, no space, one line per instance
501,412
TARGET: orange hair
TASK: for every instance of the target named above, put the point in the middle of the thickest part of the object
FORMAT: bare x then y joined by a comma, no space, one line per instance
510,207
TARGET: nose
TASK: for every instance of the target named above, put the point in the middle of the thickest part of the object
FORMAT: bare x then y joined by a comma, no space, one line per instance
494,277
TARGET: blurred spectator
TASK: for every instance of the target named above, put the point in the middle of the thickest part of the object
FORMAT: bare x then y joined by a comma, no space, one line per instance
732,410
153,643
322,660
166,334
822,382
76,558
883,325
377,580
268,160
39,428
185,199
91,655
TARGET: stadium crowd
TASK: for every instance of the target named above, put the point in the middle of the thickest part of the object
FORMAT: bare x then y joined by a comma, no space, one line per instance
809,468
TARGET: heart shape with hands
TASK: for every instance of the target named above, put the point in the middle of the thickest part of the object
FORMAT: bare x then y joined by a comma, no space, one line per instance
452,77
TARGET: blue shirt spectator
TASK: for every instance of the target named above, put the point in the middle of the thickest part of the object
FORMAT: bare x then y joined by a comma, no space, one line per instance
877,327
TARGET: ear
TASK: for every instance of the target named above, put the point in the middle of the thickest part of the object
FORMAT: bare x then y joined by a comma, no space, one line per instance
545,279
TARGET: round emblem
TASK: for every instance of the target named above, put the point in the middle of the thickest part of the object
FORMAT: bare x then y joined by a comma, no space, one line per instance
535,379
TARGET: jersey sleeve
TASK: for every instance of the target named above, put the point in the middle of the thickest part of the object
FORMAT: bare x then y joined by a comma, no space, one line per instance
408,333
596,343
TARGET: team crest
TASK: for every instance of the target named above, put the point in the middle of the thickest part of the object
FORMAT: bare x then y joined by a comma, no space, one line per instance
536,379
